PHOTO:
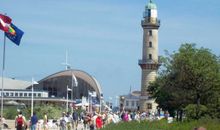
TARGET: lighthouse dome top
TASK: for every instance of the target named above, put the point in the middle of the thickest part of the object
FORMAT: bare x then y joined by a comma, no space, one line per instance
151,5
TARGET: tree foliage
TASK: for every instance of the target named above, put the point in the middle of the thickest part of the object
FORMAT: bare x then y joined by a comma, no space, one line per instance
191,111
189,76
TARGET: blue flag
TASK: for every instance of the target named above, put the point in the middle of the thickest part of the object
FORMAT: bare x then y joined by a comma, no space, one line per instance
15,37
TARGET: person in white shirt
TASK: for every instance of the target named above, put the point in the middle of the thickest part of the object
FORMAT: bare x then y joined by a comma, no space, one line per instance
63,121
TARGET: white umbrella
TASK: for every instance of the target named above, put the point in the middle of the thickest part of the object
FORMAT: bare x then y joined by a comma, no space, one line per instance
12,103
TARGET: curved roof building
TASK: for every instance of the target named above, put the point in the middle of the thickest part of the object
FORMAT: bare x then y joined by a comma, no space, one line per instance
79,82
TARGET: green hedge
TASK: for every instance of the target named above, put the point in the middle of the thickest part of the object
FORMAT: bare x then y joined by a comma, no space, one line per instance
163,125
54,111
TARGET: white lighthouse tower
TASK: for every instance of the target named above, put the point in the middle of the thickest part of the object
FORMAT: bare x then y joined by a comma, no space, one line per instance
149,63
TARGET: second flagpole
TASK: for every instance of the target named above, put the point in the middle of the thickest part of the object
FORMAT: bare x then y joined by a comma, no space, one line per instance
3,68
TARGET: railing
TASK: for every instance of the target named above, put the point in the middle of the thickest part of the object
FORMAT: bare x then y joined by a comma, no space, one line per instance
150,61
150,21
140,62
25,93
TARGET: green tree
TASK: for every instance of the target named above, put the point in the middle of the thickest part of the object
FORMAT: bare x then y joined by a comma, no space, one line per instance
189,76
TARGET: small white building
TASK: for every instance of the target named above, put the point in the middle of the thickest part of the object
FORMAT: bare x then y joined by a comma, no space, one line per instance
130,102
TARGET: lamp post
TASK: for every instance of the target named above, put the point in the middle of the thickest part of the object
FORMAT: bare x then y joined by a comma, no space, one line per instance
72,85
67,90
116,101
91,95
67,98
32,95
110,102
89,98
101,99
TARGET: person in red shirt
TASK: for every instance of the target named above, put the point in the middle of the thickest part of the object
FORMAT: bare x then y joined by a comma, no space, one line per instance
99,122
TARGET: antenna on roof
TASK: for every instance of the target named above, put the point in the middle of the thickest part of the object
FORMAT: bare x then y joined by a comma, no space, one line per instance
130,90
66,64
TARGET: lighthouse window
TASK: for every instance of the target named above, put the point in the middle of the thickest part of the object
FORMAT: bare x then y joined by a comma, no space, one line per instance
150,56
150,33
150,44
149,106
149,12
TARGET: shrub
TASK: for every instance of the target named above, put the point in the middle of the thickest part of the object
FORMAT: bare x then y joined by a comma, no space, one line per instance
194,112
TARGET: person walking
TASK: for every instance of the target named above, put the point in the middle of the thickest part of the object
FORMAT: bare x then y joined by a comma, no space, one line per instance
91,122
63,121
2,122
20,122
86,120
69,121
45,126
99,121
34,121
126,117
75,116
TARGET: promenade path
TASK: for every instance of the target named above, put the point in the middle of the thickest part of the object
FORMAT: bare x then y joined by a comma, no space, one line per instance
11,124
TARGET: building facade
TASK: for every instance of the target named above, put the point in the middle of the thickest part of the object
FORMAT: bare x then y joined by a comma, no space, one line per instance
78,82
149,63
130,102
56,88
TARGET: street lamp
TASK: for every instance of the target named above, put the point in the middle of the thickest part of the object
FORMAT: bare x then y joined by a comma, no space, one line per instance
32,94
116,101
110,102
91,95
67,90
90,98
101,99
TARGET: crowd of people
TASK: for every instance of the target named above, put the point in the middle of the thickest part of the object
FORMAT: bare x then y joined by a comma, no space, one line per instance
87,120
67,121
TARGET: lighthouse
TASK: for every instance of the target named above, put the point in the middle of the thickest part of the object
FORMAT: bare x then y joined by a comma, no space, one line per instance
149,63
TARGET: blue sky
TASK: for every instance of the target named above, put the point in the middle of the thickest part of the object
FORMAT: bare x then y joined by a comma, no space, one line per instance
102,37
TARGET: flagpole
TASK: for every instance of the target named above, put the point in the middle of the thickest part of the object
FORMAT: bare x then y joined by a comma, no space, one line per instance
72,87
72,92
67,98
33,82
32,96
3,68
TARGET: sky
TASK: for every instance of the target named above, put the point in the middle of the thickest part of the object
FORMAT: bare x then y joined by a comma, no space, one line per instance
102,37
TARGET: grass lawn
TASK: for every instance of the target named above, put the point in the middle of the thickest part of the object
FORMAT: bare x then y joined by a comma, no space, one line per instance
163,125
